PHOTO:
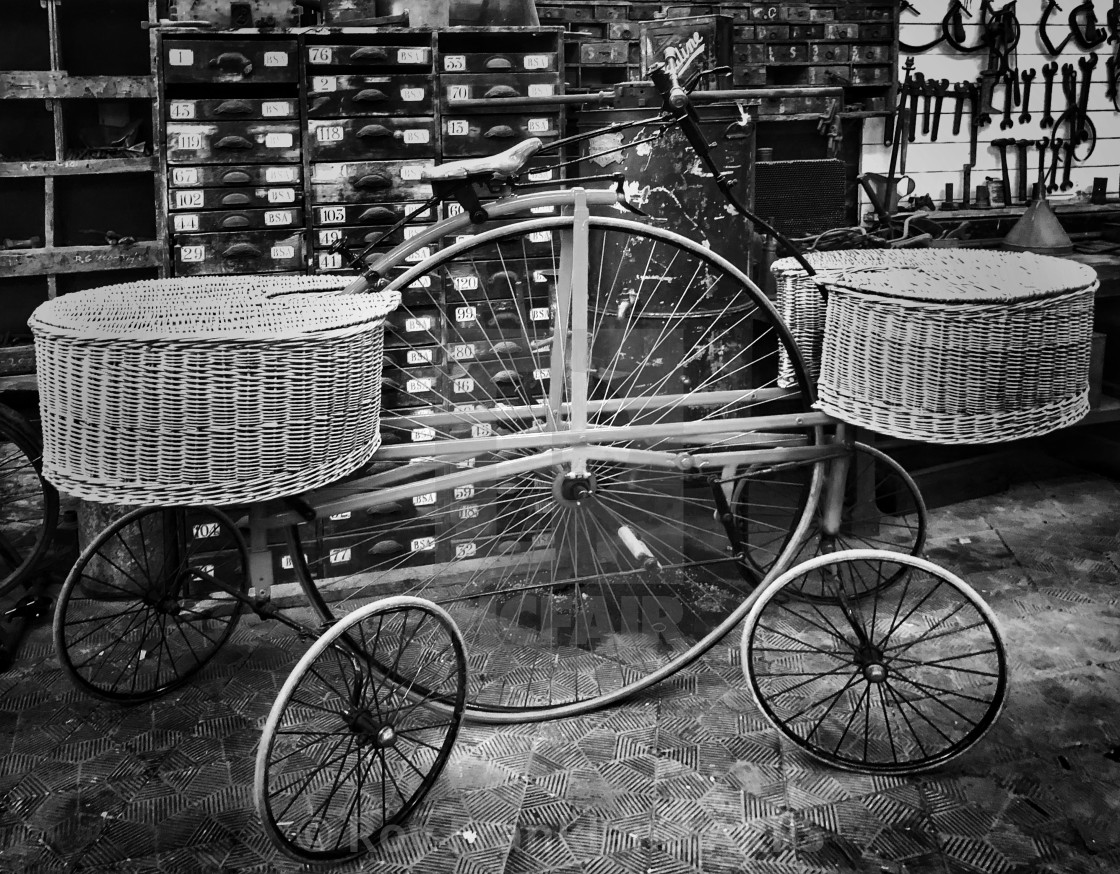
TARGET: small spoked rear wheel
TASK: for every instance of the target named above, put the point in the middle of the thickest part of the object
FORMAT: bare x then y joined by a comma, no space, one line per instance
361,730
902,679
147,604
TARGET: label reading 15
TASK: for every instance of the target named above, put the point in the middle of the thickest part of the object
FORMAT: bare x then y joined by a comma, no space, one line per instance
458,127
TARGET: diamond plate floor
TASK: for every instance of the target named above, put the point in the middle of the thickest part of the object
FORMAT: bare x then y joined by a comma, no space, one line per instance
686,778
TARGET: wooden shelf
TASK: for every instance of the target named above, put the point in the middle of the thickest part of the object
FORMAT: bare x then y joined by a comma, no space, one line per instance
81,259
77,167
48,85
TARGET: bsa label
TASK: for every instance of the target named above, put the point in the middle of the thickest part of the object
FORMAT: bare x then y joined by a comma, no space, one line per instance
412,56
280,174
538,125
276,59
276,108
536,62
417,137
541,90
281,195
278,141
283,253
423,544
278,217
420,356
426,500
412,95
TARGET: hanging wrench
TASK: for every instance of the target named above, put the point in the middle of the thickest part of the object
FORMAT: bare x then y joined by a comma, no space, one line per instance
1028,78
1007,100
939,90
1048,72
1086,65
1055,147
1040,186
917,85
960,91
1067,183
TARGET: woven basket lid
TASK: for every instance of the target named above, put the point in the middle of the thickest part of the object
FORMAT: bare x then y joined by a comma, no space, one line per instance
949,275
235,308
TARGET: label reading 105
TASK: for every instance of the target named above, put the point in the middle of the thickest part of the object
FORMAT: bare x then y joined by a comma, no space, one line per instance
192,253
469,512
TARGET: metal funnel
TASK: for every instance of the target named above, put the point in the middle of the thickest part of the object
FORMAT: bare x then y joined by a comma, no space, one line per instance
1038,231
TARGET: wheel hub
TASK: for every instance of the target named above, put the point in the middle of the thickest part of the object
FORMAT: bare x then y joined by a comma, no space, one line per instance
571,489
370,730
871,663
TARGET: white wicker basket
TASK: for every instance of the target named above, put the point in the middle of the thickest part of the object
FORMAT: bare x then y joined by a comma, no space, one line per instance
214,390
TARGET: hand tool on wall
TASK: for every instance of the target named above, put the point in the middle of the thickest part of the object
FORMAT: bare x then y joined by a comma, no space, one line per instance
1007,95
1048,72
939,90
917,85
1028,78
987,88
1083,26
927,100
1110,86
967,187
1086,65
1069,90
948,203
903,90
973,121
1042,145
1051,49
1022,146
1067,183
1055,147
960,92
1002,145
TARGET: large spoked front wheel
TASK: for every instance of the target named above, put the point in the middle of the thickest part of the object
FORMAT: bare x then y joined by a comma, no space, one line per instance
28,503
901,680
147,604
361,730
575,582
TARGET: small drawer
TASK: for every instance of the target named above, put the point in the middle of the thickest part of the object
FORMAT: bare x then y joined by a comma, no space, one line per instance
385,516
749,55
795,13
504,349
876,32
829,53
486,86
610,12
622,30
364,214
413,326
369,181
235,220
532,280
418,357
766,12
470,514
538,244
806,31
830,76
397,56
233,198
283,568
787,53
364,235
770,32
389,138
410,429
343,96
346,554
821,13
229,61
871,75
749,77
232,108
415,387
465,135
870,54
239,252
842,31
738,14
495,322
609,53
233,142
234,177
502,62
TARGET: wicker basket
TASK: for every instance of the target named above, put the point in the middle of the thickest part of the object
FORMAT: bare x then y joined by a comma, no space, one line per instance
953,345
208,391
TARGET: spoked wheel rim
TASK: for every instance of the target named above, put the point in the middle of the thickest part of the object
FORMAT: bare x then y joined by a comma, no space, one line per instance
923,684
28,503
553,536
350,749
143,609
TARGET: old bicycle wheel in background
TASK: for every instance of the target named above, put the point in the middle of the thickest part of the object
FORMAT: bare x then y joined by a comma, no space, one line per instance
882,509
361,730
28,503
144,608
903,679
573,585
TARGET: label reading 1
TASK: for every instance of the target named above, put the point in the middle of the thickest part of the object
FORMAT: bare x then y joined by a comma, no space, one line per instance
188,141
419,356
423,544
454,63
276,59
184,176
536,62
420,385
278,217
185,223
541,90
426,500
280,174
412,95
463,385
332,215
188,199
458,127
538,125
463,493
412,56
329,238
463,351
276,108
411,172
281,195
192,253
283,253
331,134
180,110
324,83
320,55
415,137
180,57
465,550
278,141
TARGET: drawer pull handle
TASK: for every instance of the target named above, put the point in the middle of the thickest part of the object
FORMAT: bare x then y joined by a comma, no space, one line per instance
234,62
233,107
377,214
242,250
506,347
499,91
233,142
370,95
371,236
383,509
236,177
370,53
386,547
506,318
500,132
390,384
507,277
235,199
319,103
235,221
374,131
506,377
499,63
372,181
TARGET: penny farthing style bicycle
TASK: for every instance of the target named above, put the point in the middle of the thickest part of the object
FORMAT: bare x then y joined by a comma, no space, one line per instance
596,468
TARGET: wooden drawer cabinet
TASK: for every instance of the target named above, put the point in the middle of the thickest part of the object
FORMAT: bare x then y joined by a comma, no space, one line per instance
388,55
486,86
499,62
363,214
